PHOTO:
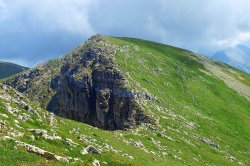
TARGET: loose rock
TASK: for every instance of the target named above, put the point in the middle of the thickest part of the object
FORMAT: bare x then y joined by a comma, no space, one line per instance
90,149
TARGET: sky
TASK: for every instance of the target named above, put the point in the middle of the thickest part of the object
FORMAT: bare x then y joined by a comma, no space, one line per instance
34,31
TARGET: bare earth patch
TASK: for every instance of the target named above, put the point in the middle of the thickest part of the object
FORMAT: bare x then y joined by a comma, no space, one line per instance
230,81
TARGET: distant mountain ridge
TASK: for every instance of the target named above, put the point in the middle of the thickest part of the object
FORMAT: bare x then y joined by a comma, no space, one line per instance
238,56
8,69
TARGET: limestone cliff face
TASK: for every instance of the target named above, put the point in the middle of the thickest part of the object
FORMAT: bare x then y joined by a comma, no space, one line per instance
90,88
100,97
72,99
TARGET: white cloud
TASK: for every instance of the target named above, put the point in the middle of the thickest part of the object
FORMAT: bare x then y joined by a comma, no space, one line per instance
156,29
67,15
202,26
70,15
240,37
3,9
2,4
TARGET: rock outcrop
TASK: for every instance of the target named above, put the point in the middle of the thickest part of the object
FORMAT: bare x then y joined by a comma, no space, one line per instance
27,77
89,87
90,149
100,97
210,142
33,149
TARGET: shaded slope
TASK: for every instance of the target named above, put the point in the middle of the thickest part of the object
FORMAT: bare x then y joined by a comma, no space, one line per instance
9,69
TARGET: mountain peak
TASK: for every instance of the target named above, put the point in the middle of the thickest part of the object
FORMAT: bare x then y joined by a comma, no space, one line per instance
238,56
90,73
160,105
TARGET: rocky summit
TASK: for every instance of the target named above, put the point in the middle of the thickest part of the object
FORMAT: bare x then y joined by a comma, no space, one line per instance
86,86
126,101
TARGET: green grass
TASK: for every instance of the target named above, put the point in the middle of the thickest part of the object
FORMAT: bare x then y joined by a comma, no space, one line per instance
184,94
190,92
9,69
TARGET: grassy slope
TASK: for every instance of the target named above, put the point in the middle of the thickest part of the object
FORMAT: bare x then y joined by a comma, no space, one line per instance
191,104
219,112
8,69
10,155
